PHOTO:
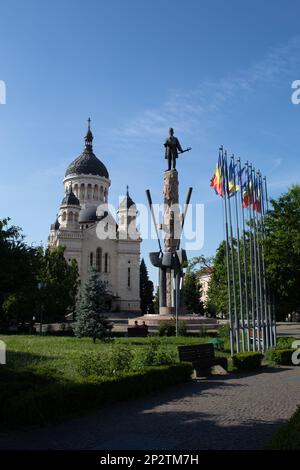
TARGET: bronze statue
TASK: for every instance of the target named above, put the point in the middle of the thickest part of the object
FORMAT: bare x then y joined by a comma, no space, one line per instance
173,147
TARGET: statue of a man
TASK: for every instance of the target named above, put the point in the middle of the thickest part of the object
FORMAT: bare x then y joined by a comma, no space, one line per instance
173,146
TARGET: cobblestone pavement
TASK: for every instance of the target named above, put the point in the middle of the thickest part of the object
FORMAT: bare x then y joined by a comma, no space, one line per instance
223,412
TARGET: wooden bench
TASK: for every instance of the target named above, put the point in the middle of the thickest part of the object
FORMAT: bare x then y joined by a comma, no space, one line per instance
137,332
202,357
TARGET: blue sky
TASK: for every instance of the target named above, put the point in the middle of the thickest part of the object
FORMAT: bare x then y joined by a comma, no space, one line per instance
218,72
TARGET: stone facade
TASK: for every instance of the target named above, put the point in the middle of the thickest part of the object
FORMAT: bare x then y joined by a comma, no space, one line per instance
92,236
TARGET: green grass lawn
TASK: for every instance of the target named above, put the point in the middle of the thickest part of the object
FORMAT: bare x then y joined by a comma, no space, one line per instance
42,381
58,356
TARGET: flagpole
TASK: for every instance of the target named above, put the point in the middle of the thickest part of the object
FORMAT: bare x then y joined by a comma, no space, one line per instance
259,263
239,256
245,257
227,255
236,320
265,287
255,267
251,253
256,264
272,304
269,301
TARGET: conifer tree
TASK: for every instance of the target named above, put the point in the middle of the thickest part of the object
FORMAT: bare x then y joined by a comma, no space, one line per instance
90,314
146,290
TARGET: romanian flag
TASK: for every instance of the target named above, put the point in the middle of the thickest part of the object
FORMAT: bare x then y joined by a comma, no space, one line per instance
217,180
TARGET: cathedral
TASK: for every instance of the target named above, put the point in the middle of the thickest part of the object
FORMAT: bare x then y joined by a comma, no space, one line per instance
91,235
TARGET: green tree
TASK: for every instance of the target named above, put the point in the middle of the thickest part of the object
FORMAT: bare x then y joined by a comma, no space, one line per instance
18,276
61,281
217,295
192,293
282,250
90,318
146,290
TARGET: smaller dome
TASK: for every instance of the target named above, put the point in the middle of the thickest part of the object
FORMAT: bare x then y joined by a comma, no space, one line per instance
56,225
70,199
127,202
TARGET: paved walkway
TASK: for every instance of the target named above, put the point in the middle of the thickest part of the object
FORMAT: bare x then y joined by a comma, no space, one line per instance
224,412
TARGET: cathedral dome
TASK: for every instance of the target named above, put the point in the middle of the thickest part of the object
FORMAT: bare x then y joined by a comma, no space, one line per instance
87,163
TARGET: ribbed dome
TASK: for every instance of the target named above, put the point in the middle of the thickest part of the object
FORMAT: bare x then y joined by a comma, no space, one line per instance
87,163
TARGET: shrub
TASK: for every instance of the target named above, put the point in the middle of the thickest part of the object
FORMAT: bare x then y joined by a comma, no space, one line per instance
288,436
247,360
182,331
281,357
285,342
167,328
114,361
224,331
146,357
153,355
30,399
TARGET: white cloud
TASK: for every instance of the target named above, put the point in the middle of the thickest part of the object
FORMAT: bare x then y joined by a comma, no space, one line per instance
198,109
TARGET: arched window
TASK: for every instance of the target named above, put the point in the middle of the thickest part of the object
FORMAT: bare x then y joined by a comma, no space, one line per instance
70,216
101,193
99,260
82,191
76,217
89,191
76,189
106,263
91,259
128,277
64,216
96,192
105,195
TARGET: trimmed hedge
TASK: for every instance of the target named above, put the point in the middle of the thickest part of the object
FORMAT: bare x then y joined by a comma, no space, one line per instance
282,357
288,435
27,398
286,342
247,360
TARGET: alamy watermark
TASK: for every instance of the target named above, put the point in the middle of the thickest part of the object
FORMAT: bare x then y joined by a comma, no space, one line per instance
296,354
295,97
136,223
2,92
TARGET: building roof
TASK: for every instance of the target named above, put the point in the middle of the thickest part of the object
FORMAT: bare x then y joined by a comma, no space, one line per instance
70,199
56,225
87,163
